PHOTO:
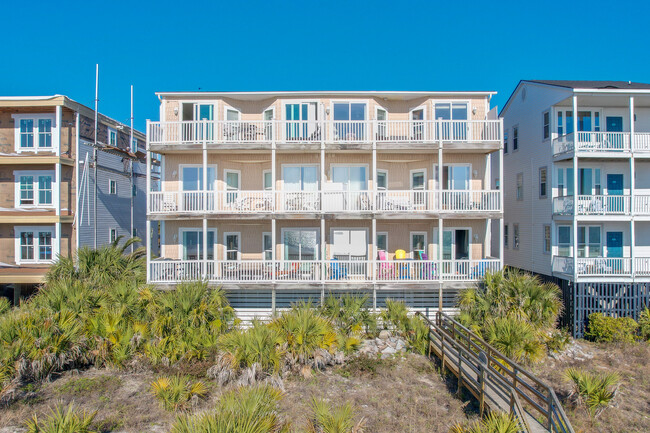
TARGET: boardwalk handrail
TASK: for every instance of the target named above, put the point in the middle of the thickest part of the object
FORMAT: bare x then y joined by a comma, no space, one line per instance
494,379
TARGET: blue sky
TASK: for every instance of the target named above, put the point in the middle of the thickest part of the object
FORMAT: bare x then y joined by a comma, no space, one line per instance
52,46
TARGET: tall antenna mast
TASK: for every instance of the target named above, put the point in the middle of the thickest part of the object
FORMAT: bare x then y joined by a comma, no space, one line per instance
133,150
95,157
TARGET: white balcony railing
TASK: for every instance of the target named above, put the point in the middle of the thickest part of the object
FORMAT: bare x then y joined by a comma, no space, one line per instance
597,142
326,271
252,202
603,205
314,131
593,266
642,141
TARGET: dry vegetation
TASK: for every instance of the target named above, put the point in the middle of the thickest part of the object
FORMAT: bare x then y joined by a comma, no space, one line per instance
631,407
394,395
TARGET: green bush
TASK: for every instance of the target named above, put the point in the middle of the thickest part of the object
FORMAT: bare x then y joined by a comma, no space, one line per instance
644,324
495,422
515,312
605,329
62,420
175,392
594,391
243,410
327,418
413,328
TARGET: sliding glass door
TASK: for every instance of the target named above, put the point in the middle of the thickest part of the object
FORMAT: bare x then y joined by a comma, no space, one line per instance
349,120
192,244
455,112
300,243
302,121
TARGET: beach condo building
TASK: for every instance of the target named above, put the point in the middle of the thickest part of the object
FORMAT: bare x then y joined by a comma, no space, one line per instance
281,197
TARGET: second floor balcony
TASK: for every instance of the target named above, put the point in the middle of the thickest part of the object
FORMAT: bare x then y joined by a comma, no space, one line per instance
607,267
309,202
594,205
265,132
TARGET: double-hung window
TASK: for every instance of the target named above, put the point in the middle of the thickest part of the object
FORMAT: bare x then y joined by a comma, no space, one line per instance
33,188
515,138
542,182
34,244
505,236
34,132
520,186
546,125
515,240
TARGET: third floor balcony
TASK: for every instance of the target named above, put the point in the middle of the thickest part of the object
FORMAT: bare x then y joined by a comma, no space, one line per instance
587,143
599,205
261,133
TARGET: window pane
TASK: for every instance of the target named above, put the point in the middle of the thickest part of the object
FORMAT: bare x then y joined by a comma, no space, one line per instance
564,235
26,190
381,180
27,133
459,111
45,246
443,111
417,180
382,241
27,245
357,111
341,111
268,182
45,189
418,242
45,133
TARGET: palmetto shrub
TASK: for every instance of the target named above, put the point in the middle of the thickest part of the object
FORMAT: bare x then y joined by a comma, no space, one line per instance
415,330
514,311
257,347
303,331
242,410
94,309
326,418
494,422
176,392
62,420
594,391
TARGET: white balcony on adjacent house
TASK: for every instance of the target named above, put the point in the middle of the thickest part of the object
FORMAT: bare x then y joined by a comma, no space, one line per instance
215,132
164,271
594,205
601,143
309,202
592,266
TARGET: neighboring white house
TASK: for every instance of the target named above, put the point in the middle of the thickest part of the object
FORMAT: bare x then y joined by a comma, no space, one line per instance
577,191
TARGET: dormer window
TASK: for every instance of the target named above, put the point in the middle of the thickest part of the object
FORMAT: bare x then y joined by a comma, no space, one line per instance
112,137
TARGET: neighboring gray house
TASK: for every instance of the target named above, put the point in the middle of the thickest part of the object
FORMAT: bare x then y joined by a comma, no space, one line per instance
576,178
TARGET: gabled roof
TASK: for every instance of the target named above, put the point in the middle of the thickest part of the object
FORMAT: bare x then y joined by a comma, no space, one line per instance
594,85
583,86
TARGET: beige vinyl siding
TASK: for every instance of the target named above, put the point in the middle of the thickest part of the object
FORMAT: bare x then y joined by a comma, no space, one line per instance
399,235
253,165
253,110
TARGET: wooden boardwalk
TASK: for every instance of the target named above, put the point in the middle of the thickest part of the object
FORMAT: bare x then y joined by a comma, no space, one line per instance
498,383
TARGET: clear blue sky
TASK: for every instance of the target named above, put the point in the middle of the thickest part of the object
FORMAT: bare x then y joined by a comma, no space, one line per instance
52,46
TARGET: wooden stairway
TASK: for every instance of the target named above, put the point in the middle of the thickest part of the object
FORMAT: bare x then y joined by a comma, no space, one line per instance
498,383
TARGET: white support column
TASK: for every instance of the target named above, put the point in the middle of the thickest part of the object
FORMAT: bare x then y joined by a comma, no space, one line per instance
323,249
440,169
439,263
632,128
205,189
632,245
501,205
57,234
58,117
574,221
632,160
148,199
57,188
373,258
273,251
